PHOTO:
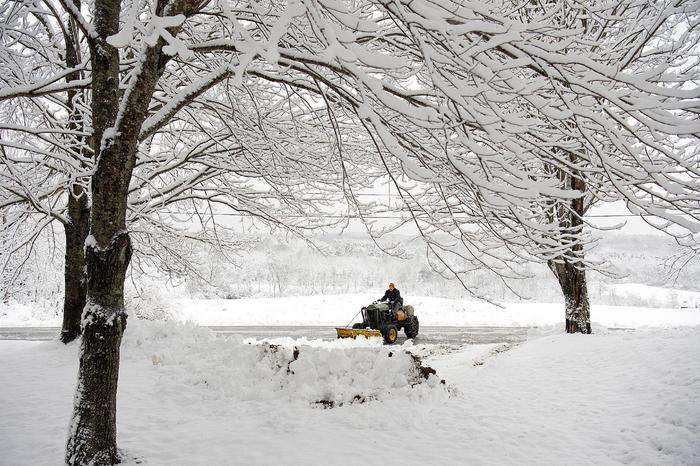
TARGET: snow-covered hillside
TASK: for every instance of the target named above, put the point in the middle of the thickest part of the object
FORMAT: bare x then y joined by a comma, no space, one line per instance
275,267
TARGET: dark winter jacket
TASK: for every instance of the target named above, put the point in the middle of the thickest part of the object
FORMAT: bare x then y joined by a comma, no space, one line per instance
392,296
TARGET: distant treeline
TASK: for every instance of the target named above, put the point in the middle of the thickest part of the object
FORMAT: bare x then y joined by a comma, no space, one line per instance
272,266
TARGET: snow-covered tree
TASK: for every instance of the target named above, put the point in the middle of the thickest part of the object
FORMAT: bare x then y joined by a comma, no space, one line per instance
481,107
598,100
218,154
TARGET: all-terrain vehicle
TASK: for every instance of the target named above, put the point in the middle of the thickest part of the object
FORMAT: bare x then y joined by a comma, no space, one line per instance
383,321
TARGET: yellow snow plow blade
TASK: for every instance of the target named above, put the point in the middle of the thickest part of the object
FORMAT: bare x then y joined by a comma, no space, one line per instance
344,332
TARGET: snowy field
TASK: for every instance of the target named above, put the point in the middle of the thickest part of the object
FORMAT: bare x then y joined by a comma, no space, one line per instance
187,397
338,310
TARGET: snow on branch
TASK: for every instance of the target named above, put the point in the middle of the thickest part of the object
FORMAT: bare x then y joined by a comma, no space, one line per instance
492,120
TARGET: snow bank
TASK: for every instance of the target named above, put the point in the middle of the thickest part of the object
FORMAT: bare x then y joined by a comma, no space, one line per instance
326,373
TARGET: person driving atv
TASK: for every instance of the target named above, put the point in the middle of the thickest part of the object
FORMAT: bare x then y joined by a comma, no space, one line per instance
393,297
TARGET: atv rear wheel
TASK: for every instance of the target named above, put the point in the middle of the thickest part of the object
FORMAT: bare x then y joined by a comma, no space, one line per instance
390,334
411,328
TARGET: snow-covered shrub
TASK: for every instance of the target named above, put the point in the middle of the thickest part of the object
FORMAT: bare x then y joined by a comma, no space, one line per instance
150,302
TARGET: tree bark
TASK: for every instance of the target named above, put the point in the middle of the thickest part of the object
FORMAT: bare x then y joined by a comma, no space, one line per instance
75,283
572,280
78,227
570,268
92,436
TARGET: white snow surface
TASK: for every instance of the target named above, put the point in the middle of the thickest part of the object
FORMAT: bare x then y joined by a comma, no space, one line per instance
187,397
338,310
685,298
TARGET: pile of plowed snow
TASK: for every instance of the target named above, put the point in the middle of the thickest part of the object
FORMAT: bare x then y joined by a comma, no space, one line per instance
314,372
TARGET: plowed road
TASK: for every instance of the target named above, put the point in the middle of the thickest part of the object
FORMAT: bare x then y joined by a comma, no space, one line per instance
427,335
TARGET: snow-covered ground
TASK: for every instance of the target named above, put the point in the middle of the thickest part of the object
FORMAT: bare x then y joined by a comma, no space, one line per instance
650,294
187,397
340,309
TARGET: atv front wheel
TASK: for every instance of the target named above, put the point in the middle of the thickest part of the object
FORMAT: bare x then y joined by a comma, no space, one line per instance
411,328
390,334
358,325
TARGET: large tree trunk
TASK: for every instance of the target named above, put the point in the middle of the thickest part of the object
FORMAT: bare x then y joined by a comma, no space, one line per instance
572,280
570,268
74,268
77,229
92,436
